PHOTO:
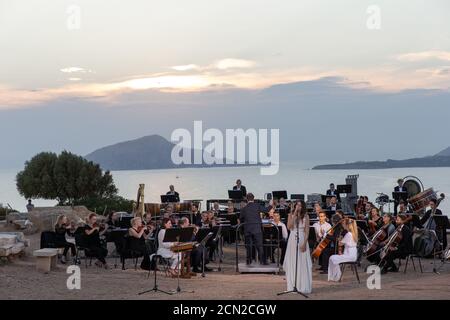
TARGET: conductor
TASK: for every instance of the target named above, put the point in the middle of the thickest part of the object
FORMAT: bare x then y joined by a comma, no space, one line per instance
250,215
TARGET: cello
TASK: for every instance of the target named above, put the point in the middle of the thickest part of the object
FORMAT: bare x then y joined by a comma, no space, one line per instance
326,241
376,240
392,244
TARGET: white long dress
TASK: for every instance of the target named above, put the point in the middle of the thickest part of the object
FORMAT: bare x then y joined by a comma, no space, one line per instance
164,250
350,254
304,266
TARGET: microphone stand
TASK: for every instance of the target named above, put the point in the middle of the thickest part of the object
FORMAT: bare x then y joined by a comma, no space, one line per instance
297,250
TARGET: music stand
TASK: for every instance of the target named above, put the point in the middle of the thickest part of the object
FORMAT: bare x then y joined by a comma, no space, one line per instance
166,198
329,213
296,196
400,195
179,235
362,224
344,188
235,194
279,194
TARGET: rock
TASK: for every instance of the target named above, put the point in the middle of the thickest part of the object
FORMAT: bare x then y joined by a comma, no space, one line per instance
13,216
44,218
12,243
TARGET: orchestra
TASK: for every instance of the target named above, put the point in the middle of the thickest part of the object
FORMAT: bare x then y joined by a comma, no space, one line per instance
335,240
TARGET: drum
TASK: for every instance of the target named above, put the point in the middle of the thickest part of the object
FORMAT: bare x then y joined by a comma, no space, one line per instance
382,199
420,201
413,185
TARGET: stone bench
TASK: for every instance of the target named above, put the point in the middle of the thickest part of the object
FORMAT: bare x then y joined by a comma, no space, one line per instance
46,259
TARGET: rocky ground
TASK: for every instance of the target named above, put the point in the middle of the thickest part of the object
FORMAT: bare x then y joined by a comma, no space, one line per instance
20,280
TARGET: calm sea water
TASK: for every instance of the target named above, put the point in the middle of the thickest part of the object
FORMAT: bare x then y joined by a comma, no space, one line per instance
209,183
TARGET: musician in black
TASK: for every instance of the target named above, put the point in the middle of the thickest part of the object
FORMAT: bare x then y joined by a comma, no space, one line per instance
196,216
240,187
427,222
389,229
94,246
333,192
197,252
334,205
399,188
137,235
172,192
251,216
402,250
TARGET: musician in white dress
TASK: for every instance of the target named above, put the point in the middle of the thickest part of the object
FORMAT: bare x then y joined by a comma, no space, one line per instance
164,247
350,253
298,220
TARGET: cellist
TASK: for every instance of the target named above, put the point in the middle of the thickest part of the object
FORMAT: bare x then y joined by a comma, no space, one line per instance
333,238
402,248
379,240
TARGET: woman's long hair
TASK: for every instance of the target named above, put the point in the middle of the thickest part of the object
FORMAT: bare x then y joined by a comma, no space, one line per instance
59,220
353,228
297,215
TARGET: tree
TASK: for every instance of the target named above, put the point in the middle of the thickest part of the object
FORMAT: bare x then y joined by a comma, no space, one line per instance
68,178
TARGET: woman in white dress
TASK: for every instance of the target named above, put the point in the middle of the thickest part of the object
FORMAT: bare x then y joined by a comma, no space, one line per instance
298,223
350,253
164,247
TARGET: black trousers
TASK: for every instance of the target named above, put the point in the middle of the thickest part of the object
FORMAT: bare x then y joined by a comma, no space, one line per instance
391,256
254,240
325,257
270,251
67,245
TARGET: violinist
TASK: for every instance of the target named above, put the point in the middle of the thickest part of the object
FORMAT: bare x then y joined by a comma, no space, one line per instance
400,245
350,253
149,224
375,221
94,246
62,228
138,233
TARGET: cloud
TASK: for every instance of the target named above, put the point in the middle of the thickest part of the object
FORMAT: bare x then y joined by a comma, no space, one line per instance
74,79
230,63
425,55
186,67
75,70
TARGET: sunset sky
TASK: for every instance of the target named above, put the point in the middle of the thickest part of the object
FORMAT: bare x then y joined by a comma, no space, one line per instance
120,46
106,54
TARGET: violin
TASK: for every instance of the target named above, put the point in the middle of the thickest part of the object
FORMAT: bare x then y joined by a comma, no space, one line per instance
100,226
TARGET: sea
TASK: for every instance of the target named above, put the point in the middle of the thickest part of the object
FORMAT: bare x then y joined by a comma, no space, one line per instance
213,183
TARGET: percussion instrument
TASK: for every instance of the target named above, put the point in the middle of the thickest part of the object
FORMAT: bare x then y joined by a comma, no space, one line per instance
413,185
181,247
420,201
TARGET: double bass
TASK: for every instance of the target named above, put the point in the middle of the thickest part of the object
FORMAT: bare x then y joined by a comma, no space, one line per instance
427,241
